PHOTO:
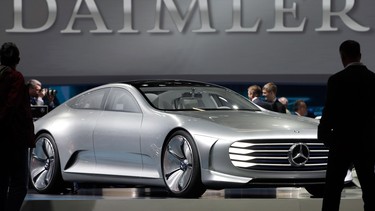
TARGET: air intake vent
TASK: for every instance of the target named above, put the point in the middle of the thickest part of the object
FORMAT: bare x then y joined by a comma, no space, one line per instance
279,155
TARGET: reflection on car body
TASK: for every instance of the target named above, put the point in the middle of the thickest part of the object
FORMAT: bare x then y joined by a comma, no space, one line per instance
185,136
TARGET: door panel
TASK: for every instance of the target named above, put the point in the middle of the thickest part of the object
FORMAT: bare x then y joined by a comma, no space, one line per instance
117,136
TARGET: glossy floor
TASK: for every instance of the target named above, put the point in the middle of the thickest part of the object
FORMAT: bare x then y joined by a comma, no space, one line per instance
140,193
253,199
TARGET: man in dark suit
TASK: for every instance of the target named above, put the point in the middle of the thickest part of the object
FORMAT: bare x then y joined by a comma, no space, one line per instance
349,135
269,92
16,128
300,108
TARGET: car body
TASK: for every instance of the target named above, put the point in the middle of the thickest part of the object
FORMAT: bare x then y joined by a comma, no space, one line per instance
186,136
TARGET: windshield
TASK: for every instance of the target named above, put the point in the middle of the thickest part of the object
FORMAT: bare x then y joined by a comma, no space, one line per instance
195,98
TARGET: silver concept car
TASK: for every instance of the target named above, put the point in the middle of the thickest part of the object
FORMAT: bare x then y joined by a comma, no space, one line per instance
185,136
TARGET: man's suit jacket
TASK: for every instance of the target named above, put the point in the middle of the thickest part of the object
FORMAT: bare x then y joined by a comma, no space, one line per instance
262,104
277,106
344,119
16,123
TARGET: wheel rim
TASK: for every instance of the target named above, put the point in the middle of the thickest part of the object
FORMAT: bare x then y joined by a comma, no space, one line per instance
178,163
42,163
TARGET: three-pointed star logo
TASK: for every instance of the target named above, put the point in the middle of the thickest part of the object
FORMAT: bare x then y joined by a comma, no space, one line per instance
298,154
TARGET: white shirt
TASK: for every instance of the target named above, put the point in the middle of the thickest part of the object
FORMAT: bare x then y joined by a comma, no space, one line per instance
354,63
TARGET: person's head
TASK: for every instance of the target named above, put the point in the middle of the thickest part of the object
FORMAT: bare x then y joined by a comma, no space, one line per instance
254,91
9,54
35,87
300,107
284,101
350,51
269,91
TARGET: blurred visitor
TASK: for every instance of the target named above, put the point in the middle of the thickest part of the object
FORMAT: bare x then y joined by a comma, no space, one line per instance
269,92
285,102
254,92
300,108
41,96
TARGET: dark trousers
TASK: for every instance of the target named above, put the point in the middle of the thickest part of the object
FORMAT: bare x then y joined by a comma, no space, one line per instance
339,160
13,179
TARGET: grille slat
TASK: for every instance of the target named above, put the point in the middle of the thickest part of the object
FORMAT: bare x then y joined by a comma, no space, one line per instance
274,155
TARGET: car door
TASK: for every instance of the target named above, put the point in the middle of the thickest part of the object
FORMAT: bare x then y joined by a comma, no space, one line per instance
78,142
117,136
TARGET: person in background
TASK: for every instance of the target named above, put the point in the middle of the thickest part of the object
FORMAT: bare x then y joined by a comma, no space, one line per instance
254,92
300,108
285,102
350,136
269,92
17,130
39,96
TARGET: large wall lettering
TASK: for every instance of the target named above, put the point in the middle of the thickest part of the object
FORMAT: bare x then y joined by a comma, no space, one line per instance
95,41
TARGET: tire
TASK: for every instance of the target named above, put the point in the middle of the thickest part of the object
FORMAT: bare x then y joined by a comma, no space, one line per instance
316,191
45,173
181,167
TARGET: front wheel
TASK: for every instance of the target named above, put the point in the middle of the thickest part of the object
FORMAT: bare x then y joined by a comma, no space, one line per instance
181,168
45,173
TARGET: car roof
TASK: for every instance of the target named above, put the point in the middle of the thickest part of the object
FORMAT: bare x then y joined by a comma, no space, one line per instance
169,83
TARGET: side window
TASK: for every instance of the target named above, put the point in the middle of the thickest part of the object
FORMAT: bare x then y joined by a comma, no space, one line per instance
91,100
121,100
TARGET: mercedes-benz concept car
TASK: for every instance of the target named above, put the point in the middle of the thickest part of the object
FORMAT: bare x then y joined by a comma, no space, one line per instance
185,136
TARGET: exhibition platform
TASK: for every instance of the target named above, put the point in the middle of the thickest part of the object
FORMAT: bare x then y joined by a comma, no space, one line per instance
251,199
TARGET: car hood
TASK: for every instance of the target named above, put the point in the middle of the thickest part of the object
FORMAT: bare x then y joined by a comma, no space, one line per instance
250,121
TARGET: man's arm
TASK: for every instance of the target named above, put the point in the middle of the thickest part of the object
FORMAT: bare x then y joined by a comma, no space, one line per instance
325,127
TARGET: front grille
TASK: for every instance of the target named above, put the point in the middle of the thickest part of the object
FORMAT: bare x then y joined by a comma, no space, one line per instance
276,155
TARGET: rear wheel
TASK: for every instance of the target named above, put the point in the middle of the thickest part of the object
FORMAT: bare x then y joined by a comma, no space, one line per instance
181,168
45,173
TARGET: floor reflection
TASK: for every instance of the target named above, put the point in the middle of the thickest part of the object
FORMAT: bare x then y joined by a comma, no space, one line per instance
141,193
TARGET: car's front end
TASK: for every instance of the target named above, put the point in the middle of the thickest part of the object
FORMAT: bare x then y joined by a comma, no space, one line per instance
271,150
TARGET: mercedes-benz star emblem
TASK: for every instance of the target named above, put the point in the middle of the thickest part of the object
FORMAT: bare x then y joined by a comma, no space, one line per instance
298,154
